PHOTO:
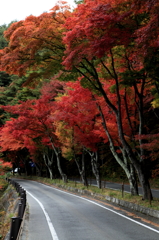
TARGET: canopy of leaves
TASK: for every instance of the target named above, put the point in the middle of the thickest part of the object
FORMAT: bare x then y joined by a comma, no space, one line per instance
35,45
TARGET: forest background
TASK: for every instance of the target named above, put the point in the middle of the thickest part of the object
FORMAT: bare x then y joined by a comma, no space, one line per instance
79,92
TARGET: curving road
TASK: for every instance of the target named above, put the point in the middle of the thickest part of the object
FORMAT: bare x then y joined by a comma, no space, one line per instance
59,215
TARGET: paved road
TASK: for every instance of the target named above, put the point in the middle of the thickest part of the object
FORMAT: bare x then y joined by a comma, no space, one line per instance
59,215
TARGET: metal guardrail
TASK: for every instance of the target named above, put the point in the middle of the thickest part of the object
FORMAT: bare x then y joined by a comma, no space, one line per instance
17,221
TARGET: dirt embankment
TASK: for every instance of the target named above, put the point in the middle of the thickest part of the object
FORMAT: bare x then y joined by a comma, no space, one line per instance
9,203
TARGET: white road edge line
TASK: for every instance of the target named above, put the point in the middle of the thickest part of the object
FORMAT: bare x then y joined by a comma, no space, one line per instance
130,219
52,229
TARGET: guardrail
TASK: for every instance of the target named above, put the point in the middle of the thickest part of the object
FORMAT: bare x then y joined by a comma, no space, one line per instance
16,222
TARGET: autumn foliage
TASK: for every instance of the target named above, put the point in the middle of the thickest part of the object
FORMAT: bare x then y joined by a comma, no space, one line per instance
35,44
107,51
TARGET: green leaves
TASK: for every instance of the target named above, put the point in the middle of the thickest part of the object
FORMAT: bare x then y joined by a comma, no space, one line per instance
129,78
3,41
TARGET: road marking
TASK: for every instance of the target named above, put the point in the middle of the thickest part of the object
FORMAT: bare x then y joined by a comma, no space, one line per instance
52,229
130,219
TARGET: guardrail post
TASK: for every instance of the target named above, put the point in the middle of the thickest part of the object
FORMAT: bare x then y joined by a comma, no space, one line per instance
15,225
23,195
21,210
23,200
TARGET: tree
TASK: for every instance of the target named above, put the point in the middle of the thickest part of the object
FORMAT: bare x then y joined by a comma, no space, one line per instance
34,122
4,77
35,45
100,45
3,42
77,118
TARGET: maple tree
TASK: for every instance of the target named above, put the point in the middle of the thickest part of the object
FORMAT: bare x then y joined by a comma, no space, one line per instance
13,144
35,44
101,46
34,126
76,111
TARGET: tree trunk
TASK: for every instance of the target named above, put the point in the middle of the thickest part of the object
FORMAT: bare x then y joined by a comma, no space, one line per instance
141,171
58,158
133,181
82,170
48,156
123,162
95,167
63,175
145,185
129,173
48,165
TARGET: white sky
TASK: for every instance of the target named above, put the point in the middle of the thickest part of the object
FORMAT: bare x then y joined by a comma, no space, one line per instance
11,10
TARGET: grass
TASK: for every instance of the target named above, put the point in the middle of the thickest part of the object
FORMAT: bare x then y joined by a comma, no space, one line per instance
103,192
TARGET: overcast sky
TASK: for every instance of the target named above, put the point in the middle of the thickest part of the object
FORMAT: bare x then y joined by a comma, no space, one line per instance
11,10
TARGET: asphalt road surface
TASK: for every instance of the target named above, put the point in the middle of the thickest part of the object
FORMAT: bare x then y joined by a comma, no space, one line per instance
59,215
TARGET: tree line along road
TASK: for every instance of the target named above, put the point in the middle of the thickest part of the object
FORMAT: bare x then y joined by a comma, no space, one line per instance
59,215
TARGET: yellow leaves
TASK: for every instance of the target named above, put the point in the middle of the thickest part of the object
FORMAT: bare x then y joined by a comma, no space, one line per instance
155,103
65,136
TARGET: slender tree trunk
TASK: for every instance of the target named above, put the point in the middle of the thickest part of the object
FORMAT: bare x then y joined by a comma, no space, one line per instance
48,165
95,167
81,169
58,158
63,175
48,156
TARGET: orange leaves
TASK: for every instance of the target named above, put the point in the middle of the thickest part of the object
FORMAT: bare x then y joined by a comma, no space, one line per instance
8,141
35,43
